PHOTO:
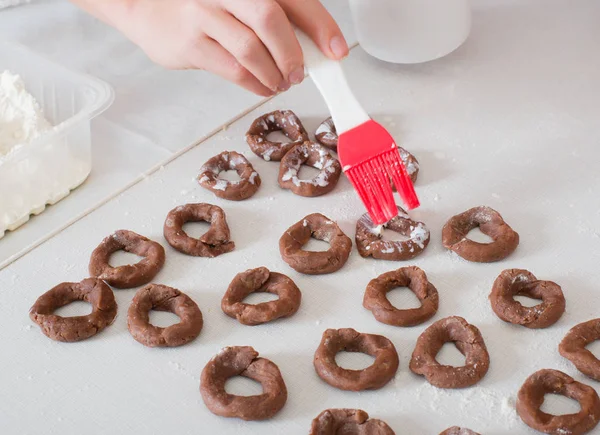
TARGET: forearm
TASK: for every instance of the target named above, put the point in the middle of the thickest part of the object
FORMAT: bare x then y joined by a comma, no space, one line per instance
112,12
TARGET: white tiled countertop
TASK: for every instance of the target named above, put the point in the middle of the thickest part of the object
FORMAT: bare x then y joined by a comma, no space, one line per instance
510,120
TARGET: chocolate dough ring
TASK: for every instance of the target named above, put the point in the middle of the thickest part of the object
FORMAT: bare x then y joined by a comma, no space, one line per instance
315,263
458,431
261,280
130,275
232,190
216,241
370,243
375,298
489,221
469,342
285,121
162,298
531,397
348,422
513,282
242,361
326,134
70,329
373,377
573,348
310,154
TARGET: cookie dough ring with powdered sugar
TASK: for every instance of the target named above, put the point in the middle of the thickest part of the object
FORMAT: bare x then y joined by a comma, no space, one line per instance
216,241
518,282
315,263
310,154
348,421
573,348
531,397
242,361
285,121
232,190
70,329
469,342
458,431
163,298
327,136
373,377
489,221
130,275
370,243
376,301
261,280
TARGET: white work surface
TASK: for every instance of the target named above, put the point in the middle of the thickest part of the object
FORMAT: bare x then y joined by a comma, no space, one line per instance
510,121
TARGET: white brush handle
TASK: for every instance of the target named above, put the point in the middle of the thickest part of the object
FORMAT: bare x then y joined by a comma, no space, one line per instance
329,78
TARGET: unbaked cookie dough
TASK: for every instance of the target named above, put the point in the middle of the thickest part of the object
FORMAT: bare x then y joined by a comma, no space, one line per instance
315,263
309,154
458,431
348,422
370,243
70,329
130,275
489,221
232,190
518,282
242,361
573,348
531,397
469,342
415,279
216,241
261,280
285,121
373,377
163,298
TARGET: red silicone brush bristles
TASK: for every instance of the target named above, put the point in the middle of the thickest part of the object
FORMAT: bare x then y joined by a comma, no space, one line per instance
371,159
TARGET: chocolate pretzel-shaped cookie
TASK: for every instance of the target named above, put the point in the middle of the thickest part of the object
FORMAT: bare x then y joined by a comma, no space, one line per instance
513,282
285,121
373,377
415,279
531,397
76,328
261,280
469,342
370,243
573,347
348,421
309,154
242,361
216,241
489,221
232,190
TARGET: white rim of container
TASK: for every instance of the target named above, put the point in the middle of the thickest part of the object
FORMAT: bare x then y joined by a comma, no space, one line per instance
103,99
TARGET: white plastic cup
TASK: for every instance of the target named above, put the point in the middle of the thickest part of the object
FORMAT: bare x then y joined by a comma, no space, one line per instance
411,31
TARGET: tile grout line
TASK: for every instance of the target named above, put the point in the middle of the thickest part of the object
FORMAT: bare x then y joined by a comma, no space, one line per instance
143,176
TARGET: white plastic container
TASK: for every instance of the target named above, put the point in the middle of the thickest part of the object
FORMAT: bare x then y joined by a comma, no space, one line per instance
411,31
46,170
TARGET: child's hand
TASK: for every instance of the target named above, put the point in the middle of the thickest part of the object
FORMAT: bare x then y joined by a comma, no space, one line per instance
249,42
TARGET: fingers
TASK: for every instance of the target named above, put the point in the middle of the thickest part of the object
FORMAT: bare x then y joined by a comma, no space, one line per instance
245,46
211,56
271,24
312,17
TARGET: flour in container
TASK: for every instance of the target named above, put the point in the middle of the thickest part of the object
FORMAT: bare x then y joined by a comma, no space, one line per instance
21,117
